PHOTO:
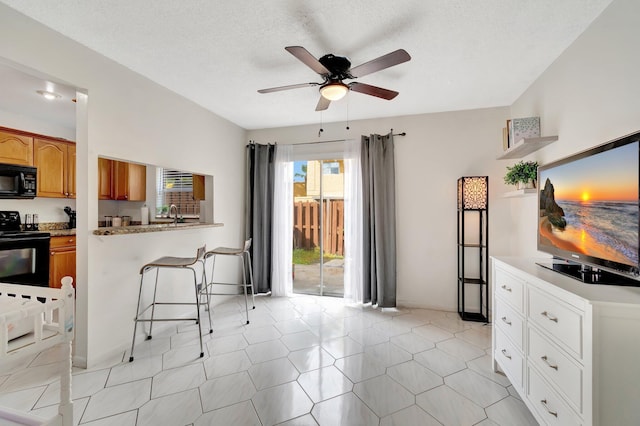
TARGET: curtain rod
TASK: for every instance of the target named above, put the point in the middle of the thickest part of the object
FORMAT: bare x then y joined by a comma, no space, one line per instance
341,140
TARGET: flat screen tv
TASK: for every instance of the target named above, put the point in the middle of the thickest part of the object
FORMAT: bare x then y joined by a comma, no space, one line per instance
589,213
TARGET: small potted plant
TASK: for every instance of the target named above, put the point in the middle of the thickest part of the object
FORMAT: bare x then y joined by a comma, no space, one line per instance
522,174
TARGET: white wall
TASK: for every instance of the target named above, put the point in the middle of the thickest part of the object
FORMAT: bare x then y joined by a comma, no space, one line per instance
30,124
127,116
588,96
437,150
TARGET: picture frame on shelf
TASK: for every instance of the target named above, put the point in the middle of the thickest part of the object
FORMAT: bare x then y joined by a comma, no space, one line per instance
505,139
525,128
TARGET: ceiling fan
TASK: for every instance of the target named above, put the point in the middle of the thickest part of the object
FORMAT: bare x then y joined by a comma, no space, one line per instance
335,69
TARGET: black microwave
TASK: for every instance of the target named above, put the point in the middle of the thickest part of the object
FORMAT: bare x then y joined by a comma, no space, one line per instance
17,181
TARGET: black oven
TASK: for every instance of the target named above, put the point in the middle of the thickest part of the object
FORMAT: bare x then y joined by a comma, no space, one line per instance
24,255
17,181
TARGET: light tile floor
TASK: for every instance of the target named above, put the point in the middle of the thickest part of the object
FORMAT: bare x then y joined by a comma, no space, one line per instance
303,360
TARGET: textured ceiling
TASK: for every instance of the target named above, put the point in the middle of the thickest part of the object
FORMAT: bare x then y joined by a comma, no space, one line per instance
465,53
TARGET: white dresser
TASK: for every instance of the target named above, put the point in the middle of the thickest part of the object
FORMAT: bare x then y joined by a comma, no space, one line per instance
571,350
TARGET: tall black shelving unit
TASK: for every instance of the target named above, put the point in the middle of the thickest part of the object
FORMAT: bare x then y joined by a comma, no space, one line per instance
473,248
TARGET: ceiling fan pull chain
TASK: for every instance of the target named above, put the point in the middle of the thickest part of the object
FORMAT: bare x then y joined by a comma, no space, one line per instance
321,129
347,111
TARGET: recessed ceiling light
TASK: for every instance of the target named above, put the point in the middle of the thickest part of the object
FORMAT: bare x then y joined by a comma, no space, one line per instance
48,95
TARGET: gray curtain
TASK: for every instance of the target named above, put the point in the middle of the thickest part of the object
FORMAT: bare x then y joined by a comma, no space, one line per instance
259,211
379,220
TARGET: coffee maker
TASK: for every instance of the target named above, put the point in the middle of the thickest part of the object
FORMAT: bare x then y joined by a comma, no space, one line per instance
72,217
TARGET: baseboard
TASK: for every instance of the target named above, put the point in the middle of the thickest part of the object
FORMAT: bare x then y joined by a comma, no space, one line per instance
79,361
412,305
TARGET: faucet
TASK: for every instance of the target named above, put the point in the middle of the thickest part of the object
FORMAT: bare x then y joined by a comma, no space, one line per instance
175,218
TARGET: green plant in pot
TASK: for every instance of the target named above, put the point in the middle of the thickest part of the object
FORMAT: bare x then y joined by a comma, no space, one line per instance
522,174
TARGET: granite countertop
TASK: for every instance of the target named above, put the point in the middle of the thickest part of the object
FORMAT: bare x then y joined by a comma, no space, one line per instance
61,232
156,227
57,229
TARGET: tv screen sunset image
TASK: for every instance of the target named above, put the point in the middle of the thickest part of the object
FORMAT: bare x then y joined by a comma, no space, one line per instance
590,206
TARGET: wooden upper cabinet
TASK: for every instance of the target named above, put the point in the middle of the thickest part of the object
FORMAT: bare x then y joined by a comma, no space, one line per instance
104,179
198,187
55,161
16,149
71,169
137,182
129,181
119,180
51,160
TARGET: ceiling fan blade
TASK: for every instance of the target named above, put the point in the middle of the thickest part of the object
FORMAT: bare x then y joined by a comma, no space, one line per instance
323,104
379,92
308,59
385,61
291,86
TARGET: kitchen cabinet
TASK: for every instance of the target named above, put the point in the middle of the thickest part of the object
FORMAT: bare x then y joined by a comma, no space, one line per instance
198,187
55,161
71,169
16,148
105,173
62,260
129,181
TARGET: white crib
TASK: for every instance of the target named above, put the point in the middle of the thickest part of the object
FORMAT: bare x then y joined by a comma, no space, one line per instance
46,320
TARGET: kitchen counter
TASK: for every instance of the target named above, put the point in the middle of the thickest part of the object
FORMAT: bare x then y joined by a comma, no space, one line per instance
57,229
61,232
156,227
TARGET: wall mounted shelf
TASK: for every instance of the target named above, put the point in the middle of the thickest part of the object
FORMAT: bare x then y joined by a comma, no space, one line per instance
520,193
526,146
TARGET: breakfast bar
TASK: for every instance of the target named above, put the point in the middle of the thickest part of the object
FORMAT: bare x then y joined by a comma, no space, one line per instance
154,227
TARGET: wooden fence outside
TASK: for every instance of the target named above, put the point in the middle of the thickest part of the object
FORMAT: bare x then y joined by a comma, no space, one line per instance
306,232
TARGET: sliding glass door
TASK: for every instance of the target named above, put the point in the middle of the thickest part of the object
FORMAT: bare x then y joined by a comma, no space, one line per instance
318,227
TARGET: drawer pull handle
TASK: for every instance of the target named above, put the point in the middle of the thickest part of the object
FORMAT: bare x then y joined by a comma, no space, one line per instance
504,287
504,352
549,317
546,361
506,321
544,404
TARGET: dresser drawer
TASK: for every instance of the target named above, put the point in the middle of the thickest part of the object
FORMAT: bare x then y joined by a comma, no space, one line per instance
509,358
509,322
562,322
563,373
509,288
550,406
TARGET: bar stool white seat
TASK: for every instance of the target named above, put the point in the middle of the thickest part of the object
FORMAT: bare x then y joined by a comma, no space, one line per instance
243,254
174,263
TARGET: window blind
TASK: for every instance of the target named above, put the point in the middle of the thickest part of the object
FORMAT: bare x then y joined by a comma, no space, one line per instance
175,187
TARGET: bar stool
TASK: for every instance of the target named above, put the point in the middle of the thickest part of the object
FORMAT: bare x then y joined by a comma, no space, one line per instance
179,263
243,254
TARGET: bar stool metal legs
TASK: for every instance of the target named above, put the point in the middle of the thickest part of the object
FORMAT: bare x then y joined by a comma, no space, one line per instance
243,254
171,262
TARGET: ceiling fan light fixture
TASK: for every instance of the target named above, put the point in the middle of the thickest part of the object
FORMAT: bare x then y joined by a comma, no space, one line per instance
334,91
